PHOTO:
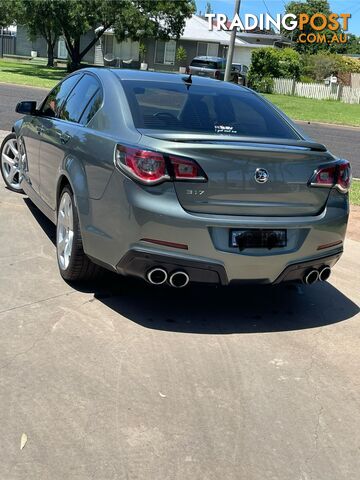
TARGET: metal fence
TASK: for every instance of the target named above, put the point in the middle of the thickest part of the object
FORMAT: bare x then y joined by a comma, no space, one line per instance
7,44
319,91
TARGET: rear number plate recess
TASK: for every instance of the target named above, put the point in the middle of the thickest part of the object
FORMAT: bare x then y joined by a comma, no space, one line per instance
258,238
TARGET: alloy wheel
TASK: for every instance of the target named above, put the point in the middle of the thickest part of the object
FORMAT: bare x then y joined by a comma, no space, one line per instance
65,231
10,163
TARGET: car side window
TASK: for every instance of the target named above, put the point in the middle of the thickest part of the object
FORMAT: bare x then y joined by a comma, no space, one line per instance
79,98
92,107
55,100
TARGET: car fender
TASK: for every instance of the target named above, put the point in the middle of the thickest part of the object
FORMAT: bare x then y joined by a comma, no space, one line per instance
73,171
17,126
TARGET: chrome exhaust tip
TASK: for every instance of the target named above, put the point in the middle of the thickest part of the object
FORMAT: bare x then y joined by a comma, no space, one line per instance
311,277
324,274
157,276
179,279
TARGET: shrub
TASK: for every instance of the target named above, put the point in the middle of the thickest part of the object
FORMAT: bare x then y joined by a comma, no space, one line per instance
181,55
261,84
273,63
142,52
306,79
323,65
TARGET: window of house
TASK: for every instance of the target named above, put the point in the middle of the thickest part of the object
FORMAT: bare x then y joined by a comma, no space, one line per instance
207,49
165,52
108,44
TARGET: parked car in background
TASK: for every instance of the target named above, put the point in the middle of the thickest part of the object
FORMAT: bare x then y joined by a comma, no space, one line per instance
242,71
214,67
154,176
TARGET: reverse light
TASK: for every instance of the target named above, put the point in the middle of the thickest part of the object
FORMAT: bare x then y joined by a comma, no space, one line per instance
337,175
186,169
151,167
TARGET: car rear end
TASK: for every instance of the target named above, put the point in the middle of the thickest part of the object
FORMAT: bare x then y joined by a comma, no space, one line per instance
225,189
212,67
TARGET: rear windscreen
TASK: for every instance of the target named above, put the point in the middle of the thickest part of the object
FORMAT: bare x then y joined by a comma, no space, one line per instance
205,64
203,109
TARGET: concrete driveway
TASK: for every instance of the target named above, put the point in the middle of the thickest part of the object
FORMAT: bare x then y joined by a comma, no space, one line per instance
118,380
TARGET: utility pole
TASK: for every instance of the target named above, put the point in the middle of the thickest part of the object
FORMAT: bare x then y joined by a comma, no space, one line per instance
230,52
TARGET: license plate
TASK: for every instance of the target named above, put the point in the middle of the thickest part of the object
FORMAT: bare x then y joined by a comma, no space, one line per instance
258,238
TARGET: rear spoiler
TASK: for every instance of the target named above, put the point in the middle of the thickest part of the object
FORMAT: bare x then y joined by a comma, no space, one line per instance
193,138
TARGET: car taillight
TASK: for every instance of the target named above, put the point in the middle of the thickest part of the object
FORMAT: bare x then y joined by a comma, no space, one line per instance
337,175
217,74
151,167
144,165
344,176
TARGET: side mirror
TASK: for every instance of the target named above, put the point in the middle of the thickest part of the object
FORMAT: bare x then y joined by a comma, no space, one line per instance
26,108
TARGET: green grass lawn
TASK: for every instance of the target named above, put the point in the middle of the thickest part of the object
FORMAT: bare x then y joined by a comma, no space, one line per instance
30,74
307,109
355,192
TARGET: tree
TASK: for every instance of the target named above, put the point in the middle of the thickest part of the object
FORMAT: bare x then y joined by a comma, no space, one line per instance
41,19
135,19
310,7
9,10
353,44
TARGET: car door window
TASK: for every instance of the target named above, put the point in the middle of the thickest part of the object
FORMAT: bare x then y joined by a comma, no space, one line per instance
79,98
92,107
56,98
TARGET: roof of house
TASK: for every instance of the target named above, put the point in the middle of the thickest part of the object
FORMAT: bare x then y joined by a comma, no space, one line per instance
197,29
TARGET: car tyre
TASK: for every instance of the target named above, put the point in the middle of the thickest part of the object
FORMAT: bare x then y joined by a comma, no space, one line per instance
9,163
74,265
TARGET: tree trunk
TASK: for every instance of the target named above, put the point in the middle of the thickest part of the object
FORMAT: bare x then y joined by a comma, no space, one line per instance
74,48
50,54
75,56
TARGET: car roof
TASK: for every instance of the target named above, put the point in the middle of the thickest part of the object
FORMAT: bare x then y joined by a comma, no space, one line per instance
124,74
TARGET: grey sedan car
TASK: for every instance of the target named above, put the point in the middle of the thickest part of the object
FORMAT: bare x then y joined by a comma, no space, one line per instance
178,179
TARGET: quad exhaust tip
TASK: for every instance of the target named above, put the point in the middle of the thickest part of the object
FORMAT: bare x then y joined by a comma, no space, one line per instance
157,276
324,273
311,277
179,279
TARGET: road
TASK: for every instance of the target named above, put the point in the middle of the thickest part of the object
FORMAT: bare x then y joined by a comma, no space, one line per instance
342,141
118,380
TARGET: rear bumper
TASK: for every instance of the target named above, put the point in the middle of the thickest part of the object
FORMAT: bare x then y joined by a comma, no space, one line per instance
138,262
115,228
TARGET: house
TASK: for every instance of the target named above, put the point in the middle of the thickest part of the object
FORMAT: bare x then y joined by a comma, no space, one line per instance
196,39
25,45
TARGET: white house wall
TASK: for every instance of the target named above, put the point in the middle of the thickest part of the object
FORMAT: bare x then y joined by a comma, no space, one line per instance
243,55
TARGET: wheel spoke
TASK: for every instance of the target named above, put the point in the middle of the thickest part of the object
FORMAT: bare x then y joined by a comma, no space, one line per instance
13,148
7,159
12,173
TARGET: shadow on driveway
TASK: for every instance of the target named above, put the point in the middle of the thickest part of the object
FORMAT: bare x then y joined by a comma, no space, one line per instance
216,310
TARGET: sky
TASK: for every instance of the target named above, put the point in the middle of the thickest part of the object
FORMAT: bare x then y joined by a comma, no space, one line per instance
278,6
